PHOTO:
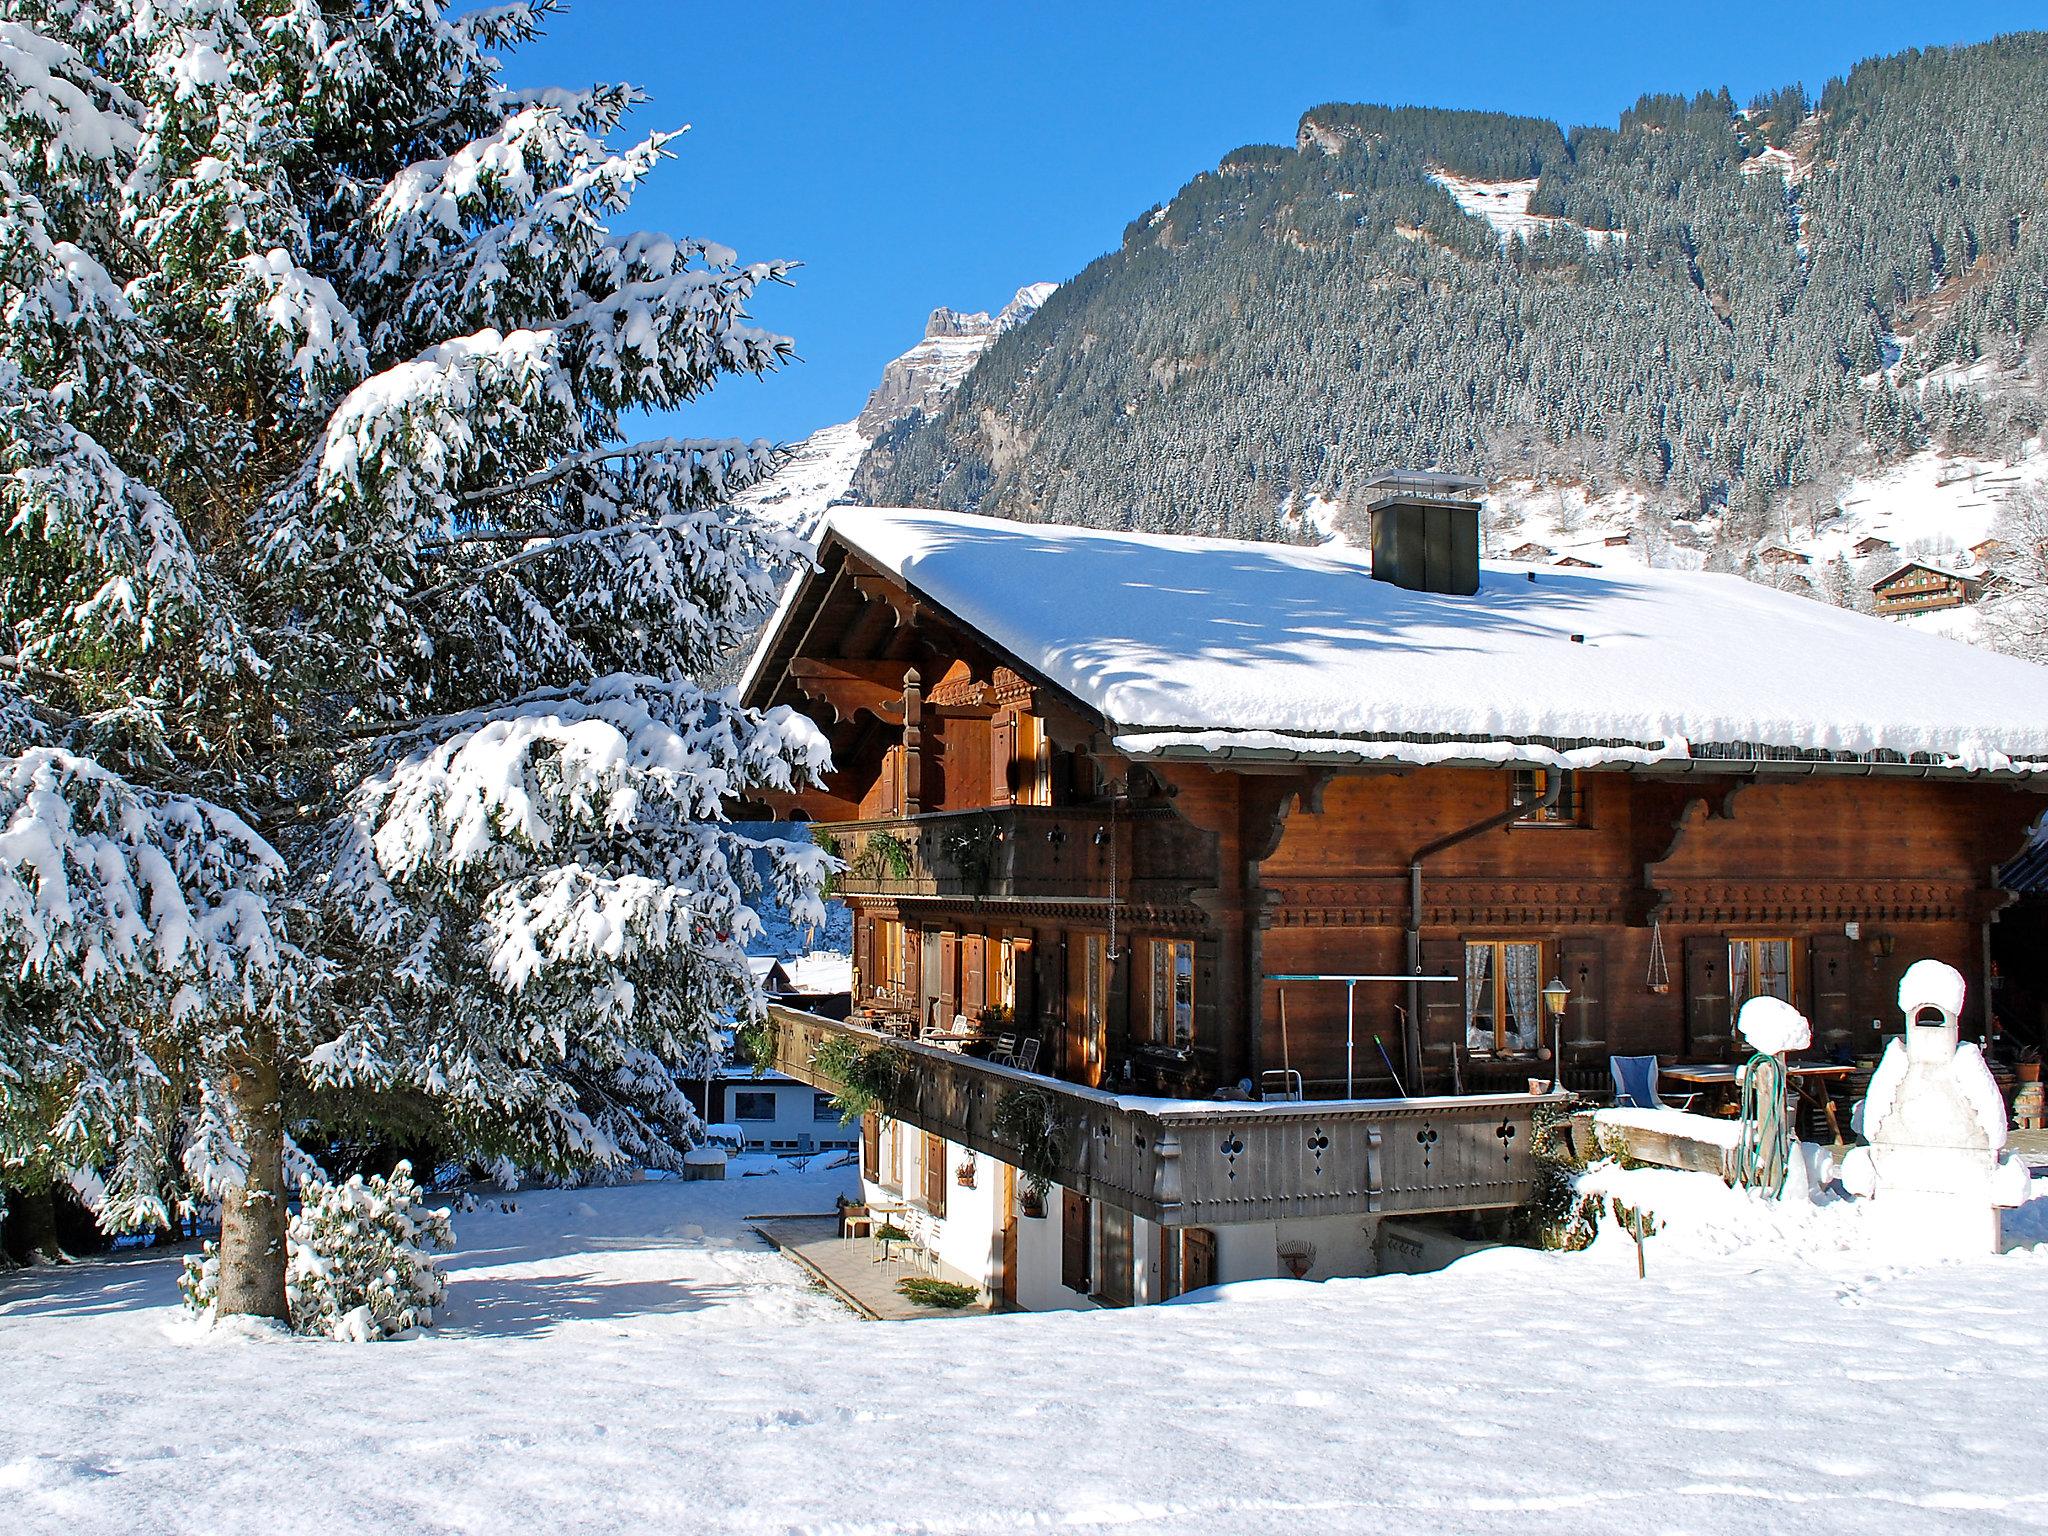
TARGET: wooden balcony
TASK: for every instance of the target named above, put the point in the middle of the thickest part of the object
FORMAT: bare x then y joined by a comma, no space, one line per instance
1198,1161
1020,853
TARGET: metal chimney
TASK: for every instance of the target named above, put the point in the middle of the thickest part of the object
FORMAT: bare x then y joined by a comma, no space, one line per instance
1425,531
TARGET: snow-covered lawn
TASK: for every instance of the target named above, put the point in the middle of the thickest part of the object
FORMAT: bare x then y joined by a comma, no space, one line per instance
631,1359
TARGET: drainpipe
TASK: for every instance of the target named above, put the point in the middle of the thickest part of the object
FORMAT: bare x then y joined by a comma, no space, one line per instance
1411,1027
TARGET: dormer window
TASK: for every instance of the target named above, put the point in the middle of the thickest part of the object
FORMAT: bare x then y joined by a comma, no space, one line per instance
1531,784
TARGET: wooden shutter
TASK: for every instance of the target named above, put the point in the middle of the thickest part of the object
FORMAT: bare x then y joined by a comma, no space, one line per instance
1831,1007
1074,1241
949,978
973,975
863,955
1707,1011
935,1171
1582,967
1443,1007
1113,1282
1024,966
1002,760
871,1147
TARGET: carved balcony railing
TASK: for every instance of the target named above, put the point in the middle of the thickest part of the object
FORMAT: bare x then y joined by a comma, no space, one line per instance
1196,1161
1022,852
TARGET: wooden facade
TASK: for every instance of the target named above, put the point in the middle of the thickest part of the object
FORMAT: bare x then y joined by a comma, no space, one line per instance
1920,587
1008,868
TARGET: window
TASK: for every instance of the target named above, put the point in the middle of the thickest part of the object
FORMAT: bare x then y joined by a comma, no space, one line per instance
753,1106
888,953
1532,783
1034,762
824,1107
1173,992
1503,996
1759,968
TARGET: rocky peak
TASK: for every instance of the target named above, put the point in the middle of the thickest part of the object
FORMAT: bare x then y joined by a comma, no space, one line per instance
931,370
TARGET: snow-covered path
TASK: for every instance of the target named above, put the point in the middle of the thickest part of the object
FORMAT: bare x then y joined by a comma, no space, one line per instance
629,1359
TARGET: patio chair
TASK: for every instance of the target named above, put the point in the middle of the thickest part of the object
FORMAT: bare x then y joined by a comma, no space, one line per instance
1027,1055
1005,1052
1635,1084
1281,1085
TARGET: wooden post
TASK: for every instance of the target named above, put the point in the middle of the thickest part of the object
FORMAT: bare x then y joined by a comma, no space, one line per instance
913,743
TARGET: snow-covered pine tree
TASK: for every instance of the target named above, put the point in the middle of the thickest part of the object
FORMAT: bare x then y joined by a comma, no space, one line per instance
350,634
2016,597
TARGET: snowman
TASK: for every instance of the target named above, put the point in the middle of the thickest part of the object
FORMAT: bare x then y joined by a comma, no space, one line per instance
1935,1123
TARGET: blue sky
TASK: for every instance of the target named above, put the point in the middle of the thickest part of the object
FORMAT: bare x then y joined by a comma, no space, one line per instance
917,154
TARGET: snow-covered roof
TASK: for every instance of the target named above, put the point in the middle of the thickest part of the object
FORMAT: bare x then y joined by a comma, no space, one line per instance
1214,647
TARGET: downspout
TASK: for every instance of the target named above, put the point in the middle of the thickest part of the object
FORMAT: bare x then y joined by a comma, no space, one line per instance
1411,1027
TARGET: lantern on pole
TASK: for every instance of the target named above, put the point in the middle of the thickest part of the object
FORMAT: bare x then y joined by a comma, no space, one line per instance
1554,997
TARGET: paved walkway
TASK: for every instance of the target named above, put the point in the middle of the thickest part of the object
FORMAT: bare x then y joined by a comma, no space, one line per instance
852,1268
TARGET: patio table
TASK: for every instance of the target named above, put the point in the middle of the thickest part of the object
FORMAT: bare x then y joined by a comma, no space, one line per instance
1808,1080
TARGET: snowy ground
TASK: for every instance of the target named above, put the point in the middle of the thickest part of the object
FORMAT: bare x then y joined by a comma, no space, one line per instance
629,1359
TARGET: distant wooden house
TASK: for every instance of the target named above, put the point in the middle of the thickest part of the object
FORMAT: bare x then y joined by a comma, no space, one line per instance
1781,554
1531,551
1616,541
1984,551
1574,560
1922,586
1871,545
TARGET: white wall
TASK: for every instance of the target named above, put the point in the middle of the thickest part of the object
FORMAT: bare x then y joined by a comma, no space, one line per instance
1250,1250
969,1236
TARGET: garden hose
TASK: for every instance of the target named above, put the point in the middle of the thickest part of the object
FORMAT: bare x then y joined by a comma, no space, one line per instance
1761,1155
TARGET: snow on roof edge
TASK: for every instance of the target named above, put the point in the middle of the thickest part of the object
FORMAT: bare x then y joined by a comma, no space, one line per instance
1506,751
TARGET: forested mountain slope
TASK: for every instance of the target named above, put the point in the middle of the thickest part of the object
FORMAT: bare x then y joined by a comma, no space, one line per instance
1730,308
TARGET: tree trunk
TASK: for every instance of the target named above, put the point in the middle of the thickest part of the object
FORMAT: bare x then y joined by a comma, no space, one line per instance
33,1215
252,1216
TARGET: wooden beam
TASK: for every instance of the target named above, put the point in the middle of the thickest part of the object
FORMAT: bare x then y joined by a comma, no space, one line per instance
902,602
849,687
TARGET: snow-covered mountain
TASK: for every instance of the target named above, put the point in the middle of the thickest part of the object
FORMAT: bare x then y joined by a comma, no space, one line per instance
821,467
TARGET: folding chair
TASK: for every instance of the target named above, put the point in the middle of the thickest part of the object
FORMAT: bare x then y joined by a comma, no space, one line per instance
1635,1084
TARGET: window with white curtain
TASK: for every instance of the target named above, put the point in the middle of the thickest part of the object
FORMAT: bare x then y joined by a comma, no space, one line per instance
1503,996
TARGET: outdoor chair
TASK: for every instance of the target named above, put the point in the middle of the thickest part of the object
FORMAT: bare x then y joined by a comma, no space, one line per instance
1635,1084
1027,1055
1281,1085
1005,1052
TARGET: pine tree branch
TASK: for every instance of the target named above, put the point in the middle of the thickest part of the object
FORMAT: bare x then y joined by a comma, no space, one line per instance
653,448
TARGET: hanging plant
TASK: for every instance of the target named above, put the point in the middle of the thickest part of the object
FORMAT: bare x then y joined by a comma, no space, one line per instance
970,847
754,1043
828,844
1030,1121
1659,978
883,855
870,1077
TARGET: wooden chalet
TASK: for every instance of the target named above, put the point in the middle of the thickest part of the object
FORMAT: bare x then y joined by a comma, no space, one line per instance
1123,816
1871,545
1925,586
